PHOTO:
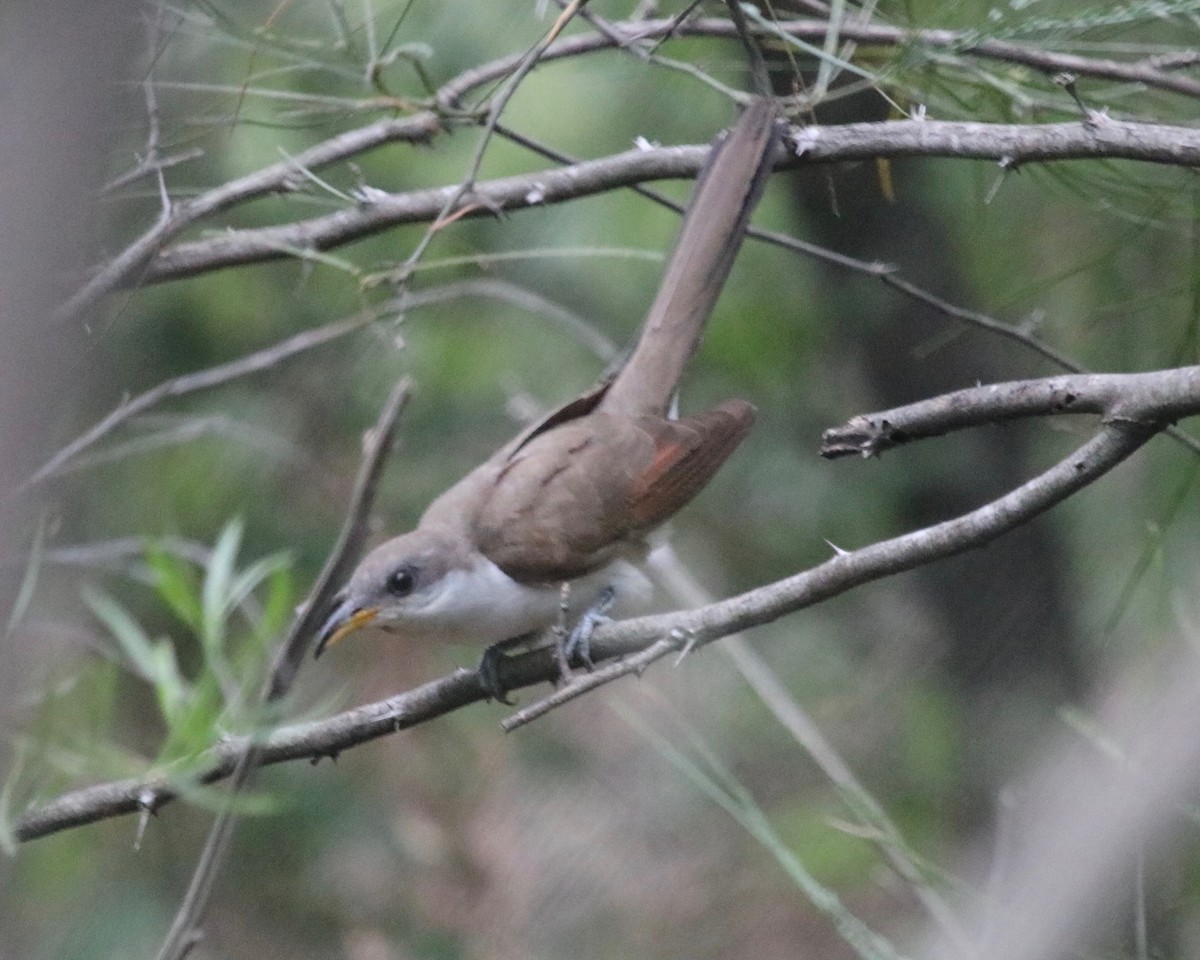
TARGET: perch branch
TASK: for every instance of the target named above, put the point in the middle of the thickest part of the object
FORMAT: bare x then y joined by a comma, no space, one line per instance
1131,419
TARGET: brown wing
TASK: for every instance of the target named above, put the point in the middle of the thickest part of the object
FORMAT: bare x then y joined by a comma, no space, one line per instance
573,497
687,453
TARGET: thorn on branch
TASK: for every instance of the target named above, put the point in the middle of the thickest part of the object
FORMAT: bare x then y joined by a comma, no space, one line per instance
147,801
804,138
1091,118
685,639
837,551
366,195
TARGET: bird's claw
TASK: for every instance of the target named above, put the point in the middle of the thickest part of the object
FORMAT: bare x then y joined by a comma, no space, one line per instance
489,674
577,644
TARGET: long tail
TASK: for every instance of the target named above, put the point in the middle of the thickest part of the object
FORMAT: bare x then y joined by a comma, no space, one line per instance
711,235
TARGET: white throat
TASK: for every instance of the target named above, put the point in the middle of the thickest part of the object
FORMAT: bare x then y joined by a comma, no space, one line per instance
481,603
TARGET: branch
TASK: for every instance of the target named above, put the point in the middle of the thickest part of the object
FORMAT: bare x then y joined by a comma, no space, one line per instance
269,356
123,271
968,43
1132,422
279,177
1155,397
1012,144
199,380
627,33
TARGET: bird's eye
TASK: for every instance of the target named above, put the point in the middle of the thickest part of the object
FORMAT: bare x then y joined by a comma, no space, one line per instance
402,581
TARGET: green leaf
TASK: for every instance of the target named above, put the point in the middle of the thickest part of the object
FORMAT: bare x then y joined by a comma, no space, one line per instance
153,661
279,605
191,729
176,585
172,690
217,582
132,639
248,580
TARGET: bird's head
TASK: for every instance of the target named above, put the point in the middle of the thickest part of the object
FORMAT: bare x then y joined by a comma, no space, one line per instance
399,587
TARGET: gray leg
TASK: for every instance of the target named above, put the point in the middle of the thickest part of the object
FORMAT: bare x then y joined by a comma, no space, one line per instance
579,640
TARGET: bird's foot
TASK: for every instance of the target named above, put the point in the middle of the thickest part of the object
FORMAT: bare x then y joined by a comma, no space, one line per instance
577,643
489,675
489,668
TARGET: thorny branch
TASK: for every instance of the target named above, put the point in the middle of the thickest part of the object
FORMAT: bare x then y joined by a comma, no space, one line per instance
887,274
963,43
1012,144
1161,396
128,267
1136,407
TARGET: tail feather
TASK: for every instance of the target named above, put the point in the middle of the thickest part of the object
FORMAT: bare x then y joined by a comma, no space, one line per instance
709,240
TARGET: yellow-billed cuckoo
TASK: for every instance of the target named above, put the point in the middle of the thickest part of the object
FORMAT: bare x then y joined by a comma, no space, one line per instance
571,499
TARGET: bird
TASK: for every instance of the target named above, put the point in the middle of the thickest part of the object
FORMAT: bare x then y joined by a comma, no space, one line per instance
565,509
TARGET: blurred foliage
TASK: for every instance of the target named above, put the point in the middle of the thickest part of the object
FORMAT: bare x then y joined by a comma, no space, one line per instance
584,836
224,687
228,632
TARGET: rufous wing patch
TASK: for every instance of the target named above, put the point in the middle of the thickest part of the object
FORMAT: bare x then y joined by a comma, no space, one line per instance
687,452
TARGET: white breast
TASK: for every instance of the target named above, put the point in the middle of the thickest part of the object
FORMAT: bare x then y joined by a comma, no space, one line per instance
483,604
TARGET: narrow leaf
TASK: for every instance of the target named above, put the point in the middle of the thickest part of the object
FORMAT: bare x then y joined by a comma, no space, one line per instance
176,585
216,584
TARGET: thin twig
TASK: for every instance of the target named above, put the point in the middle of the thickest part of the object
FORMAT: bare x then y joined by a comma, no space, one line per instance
124,269
145,168
685,590
200,380
185,928
586,682
450,209
349,547
755,62
153,128
870,813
